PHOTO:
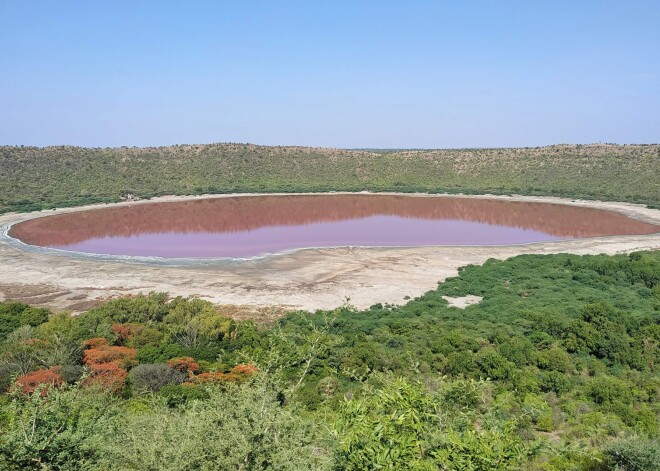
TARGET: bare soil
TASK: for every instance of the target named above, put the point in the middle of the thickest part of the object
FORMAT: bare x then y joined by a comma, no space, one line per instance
462,302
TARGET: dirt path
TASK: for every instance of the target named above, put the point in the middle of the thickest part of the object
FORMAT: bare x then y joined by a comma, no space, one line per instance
307,279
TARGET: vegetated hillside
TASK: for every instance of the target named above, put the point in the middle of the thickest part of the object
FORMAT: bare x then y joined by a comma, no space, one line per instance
34,178
556,369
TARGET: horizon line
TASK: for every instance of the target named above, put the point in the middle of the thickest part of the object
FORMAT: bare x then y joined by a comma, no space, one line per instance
357,149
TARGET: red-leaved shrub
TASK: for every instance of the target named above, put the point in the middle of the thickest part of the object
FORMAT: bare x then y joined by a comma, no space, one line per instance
186,365
237,374
124,355
50,377
107,363
244,369
122,332
109,375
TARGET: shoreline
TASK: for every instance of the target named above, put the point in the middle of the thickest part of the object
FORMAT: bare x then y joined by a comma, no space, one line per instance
308,279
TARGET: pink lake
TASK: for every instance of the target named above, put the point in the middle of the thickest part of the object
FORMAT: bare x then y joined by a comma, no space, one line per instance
249,226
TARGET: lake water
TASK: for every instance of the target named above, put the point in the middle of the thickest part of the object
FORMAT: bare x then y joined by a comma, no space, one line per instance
250,226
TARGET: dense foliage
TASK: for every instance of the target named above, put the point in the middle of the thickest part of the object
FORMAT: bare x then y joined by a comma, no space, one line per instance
40,178
555,369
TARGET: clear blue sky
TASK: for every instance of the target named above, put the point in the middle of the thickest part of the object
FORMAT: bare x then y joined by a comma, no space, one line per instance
330,73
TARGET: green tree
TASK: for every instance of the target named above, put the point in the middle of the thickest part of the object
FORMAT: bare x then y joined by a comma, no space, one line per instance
59,431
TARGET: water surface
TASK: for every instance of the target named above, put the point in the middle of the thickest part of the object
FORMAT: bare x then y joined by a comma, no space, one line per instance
256,225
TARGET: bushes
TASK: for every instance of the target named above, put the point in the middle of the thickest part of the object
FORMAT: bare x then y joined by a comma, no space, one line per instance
401,426
389,428
107,363
151,378
124,356
554,381
58,432
554,359
143,309
194,323
609,390
40,379
109,376
178,394
71,373
8,373
186,365
633,455
243,427
493,365
238,373
13,315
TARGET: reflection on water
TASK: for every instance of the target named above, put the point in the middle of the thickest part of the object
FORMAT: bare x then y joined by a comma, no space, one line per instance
255,225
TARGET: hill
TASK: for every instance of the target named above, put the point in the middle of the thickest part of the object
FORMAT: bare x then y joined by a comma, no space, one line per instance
33,178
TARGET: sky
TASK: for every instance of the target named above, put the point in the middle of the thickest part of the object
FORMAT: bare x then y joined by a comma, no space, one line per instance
349,74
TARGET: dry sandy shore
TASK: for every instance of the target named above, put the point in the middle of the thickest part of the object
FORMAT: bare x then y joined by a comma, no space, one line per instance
308,279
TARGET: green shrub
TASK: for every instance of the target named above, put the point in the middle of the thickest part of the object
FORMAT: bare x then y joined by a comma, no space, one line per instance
554,381
545,422
634,455
242,427
609,390
152,377
14,315
60,431
71,373
179,394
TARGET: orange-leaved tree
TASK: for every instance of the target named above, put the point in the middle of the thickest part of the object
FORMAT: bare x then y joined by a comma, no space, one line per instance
186,365
108,363
31,381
